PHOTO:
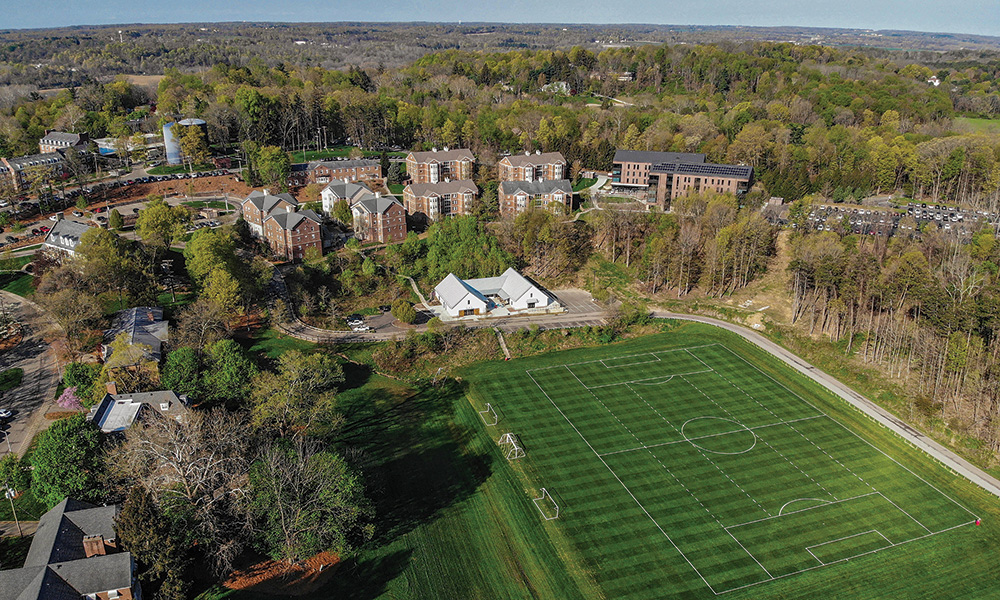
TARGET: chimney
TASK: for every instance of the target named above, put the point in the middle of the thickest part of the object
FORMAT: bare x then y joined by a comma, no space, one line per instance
434,149
111,387
93,545
378,194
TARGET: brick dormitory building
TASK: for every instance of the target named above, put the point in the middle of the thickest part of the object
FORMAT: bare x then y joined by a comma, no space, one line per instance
664,176
277,219
435,200
436,166
550,166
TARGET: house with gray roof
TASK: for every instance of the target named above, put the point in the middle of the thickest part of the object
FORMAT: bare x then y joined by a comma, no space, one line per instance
74,554
325,171
292,232
515,197
117,412
435,166
55,141
260,204
141,325
504,295
64,237
532,167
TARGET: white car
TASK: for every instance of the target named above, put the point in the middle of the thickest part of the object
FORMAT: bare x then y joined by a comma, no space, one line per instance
5,414
361,327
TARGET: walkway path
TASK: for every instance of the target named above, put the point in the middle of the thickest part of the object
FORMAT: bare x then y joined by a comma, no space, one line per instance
876,412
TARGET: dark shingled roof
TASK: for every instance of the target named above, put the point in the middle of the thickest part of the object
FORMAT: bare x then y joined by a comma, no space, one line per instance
443,155
459,186
521,160
535,188
642,156
265,203
343,164
61,531
376,205
291,220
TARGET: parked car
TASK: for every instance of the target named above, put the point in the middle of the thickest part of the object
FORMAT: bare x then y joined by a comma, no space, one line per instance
77,213
6,414
54,218
361,327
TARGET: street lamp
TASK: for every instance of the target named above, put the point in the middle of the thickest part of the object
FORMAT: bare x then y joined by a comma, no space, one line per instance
10,496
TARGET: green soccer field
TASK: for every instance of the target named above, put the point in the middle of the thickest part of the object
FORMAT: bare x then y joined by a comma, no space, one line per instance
692,472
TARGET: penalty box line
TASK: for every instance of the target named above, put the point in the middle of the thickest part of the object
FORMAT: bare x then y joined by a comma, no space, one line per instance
638,381
601,360
702,437
622,483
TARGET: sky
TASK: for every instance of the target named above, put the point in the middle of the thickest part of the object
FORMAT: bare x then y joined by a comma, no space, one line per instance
948,16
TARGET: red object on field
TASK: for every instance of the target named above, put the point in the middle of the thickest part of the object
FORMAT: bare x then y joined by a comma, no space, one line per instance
979,521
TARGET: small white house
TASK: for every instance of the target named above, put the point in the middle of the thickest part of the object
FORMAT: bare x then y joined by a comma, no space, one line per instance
459,299
478,296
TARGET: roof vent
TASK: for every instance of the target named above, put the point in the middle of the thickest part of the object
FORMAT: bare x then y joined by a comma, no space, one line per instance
434,149
446,148
527,152
538,151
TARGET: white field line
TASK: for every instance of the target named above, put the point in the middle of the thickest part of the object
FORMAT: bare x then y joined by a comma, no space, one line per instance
788,460
639,381
905,513
799,500
750,555
631,364
587,362
955,502
794,512
711,435
625,487
820,566
847,537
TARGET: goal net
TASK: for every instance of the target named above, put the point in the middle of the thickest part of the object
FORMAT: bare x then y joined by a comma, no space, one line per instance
511,447
546,505
489,416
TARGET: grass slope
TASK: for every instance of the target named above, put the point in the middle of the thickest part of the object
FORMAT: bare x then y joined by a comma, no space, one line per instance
627,555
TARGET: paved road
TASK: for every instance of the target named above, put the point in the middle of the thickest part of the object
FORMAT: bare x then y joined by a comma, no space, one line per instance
879,414
37,357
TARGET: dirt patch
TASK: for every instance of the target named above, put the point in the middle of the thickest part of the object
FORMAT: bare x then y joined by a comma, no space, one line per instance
282,578
152,81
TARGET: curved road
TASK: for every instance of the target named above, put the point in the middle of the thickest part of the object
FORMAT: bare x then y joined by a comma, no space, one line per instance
882,416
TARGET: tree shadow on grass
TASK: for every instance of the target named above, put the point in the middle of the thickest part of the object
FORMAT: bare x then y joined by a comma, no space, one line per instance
365,578
416,456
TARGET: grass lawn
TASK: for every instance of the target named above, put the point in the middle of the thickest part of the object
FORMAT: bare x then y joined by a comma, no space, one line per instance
338,152
979,125
28,508
17,283
735,469
172,169
691,464
271,343
584,183
396,189
218,204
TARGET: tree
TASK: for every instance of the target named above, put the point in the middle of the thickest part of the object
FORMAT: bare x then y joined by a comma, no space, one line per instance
159,224
196,469
181,372
115,220
404,311
67,462
81,376
201,324
342,212
307,500
194,146
15,473
223,290
230,374
300,397
75,310
156,543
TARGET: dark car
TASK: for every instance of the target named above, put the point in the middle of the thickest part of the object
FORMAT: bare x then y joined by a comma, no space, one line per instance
385,308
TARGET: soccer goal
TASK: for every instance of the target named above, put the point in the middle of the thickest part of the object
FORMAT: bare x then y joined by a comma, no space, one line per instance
489,416
511,447
546,505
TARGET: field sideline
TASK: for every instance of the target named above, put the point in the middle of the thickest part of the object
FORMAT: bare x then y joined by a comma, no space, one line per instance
689,465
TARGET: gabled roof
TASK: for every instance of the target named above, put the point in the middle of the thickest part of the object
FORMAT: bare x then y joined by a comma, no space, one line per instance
265,203
452,290
290,220
347,190
524,160
62,137
375,204
343,164
48,158
534,188
142,325
459,186
642,156
66,235
510,285
60,533
443,155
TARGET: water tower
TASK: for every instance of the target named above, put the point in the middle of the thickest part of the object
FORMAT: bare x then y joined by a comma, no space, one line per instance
171,144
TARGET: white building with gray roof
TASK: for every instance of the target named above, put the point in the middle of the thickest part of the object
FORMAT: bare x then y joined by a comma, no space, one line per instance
504,295
64,237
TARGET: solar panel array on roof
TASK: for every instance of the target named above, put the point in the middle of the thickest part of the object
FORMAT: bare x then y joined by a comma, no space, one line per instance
733,171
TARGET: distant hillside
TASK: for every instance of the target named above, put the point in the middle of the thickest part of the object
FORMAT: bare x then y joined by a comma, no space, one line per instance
52,58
